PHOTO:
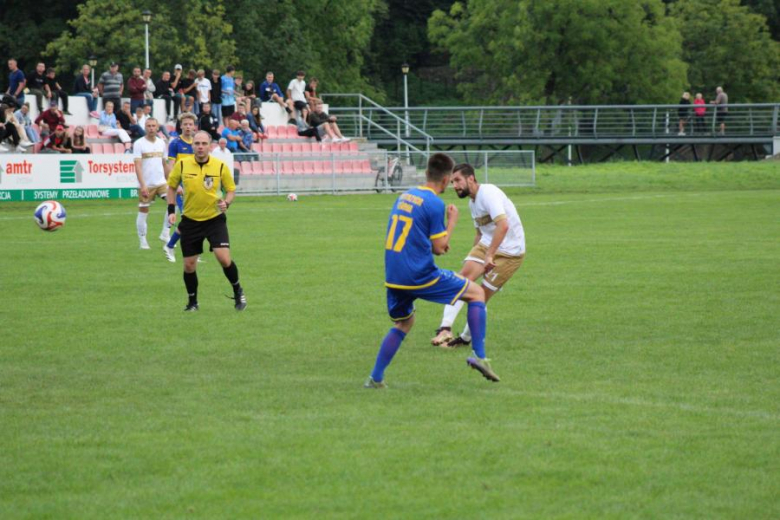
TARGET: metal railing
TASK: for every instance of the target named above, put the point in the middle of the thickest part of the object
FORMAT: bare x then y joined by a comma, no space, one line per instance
576,123
379,119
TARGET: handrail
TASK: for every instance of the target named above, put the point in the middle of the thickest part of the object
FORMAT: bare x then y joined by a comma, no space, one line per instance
361,98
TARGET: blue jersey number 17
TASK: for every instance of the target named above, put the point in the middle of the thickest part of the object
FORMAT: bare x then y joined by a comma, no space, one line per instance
401,242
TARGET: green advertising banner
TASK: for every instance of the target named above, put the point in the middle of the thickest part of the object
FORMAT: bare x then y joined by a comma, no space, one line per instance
99,193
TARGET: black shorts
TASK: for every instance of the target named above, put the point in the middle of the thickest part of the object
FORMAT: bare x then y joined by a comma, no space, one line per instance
193,232
721,117
301,105
227,110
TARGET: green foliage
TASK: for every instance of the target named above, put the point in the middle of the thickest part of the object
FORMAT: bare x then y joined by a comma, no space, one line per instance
592,51
193,33
728,45
327,39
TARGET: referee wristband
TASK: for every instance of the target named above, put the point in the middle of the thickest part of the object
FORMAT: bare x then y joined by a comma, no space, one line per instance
171,209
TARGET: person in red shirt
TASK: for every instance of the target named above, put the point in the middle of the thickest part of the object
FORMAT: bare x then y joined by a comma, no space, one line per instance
137,87
59,142
52,117
699,112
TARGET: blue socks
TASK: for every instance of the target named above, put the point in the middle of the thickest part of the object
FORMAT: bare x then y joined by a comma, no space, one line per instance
477,319
390,346
174,239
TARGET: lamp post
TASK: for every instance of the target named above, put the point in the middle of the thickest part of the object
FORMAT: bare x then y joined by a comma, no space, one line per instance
405,70
92,65
147,17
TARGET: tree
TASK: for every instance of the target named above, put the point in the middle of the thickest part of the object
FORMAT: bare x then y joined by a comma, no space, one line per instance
191,32
592,51
728,45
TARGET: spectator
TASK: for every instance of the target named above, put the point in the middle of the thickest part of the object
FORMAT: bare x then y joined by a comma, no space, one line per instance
52,117
59,142
23,117
233,135
250,96
202,89
684,112
228,95
699,111
320,119
111,85
141,117
163,89
216,94
238,88
16,83
36,84
150,88
209,122
78,144
295,92
109,128
722,110
136,85
240,115
176,86
304,130
187,90
256,121
247,139
54,91
83,87
270,91
8,131
311,92
226,156
10,119
128,122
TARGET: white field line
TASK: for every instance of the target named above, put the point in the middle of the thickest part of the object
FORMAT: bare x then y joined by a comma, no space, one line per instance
299,206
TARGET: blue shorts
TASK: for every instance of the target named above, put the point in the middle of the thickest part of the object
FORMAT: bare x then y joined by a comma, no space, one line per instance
447,289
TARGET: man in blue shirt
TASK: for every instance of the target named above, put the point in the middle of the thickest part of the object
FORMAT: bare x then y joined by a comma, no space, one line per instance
270,91
233,135
228,87
415,231
16,82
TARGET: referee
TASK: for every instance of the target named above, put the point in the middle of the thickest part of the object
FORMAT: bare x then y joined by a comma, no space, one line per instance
203,178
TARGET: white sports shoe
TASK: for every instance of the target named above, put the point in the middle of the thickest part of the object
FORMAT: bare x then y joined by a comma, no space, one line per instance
165,236
144,243
169,253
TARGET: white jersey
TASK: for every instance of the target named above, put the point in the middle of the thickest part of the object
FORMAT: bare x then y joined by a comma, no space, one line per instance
151,155
297,88
491,205
204,90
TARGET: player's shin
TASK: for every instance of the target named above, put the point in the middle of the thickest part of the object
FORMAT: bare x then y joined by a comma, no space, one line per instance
140,224
191,283
387,350
450,313
477,320
231,273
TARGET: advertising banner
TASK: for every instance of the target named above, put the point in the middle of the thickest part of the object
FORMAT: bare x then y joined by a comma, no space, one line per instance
66,176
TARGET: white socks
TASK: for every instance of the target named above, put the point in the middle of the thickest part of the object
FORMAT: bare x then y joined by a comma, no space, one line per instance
140,224
450,313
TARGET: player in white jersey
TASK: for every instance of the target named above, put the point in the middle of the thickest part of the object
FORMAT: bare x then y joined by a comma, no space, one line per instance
152,170
499,246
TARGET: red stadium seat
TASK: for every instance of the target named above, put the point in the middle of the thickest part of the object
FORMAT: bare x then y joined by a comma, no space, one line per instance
287,149
268,168
297,149
365,166
308,167
288,168
272,132
91,131
342,166
96,147
320,166
276,148
353,148
306,148
257,147
257,167
119,148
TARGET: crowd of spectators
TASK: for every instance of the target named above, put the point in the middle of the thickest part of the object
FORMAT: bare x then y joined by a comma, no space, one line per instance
217,100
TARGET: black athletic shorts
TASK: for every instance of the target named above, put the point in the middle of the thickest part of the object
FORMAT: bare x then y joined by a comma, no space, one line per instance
227,110
300,105
193,232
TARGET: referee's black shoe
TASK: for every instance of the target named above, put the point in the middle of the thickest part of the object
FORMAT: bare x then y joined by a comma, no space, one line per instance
191,307
240,299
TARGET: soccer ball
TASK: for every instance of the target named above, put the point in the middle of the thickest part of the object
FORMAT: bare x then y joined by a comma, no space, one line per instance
50,216
292,197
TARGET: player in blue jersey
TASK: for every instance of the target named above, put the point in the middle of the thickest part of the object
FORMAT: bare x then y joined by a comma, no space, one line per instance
178,149
416,231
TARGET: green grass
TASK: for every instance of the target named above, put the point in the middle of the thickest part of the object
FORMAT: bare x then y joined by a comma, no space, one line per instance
638,349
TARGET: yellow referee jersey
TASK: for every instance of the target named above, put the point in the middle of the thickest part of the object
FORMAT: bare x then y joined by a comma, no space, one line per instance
203,184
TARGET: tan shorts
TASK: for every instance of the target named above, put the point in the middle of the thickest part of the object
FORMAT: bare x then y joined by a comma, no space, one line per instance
505,266
154,191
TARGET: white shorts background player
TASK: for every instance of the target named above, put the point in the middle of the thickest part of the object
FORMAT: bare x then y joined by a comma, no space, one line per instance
152,170
499,246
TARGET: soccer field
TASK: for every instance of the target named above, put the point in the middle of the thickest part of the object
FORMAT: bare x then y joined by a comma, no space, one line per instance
638,347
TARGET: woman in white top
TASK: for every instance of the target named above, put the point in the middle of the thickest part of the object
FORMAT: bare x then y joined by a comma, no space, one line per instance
109,127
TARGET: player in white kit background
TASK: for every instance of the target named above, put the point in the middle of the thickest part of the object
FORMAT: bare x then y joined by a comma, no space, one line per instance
152,170
499,246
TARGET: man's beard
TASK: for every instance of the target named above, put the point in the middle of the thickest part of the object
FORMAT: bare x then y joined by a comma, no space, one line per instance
462,194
